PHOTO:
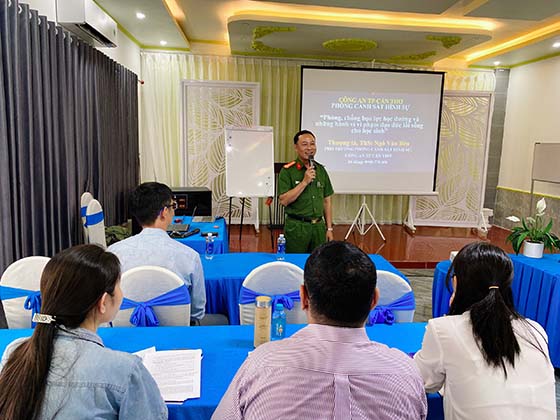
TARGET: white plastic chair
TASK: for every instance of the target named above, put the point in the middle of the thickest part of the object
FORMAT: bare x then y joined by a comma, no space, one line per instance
23,274
274,278
391,287
95,224
147,282
84,201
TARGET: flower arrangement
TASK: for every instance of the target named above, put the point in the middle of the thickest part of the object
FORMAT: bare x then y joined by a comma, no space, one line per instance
533,229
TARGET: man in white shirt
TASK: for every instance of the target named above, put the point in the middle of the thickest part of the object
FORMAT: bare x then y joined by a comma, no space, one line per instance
154,208
329,369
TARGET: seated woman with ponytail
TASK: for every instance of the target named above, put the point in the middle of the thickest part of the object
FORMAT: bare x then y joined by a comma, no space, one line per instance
63,371
492,362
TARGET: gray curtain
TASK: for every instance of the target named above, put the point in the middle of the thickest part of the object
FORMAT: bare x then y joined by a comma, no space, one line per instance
68,124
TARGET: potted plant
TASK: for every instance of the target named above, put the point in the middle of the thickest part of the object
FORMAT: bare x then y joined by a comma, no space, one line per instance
533,233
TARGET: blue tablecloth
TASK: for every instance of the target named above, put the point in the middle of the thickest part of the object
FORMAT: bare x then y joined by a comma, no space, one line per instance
224,349
225,273
536,294
198,242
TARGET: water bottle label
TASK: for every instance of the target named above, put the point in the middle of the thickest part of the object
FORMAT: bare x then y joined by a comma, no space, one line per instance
281,248
210,247
279,330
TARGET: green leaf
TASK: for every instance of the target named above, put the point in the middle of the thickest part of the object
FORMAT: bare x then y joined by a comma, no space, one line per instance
519,242
548,227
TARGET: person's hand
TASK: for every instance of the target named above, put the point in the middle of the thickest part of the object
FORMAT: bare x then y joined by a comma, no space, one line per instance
330,235
309,175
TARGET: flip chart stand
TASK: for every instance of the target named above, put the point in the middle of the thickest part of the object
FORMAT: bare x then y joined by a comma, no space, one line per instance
241,225
361,223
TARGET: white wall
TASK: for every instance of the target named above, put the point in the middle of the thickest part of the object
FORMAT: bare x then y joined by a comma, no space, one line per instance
126,53
45,7
532,115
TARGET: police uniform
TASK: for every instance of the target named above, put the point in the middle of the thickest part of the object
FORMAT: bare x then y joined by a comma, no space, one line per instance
304,226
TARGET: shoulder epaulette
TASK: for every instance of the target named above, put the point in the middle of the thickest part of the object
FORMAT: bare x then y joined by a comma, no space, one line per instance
289,164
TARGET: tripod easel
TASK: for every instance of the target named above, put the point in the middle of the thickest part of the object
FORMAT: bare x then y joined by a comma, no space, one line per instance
360,222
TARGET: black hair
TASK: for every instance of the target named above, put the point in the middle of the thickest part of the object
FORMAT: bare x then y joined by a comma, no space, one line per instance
72,283
301,133
340,280
484,275
147,200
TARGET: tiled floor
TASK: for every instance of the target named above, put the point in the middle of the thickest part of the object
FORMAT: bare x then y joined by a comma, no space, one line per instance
421,282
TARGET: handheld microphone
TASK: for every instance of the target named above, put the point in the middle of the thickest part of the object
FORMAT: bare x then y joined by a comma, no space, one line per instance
311,163
191,233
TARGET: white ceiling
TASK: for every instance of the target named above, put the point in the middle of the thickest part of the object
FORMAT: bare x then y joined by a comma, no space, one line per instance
422,32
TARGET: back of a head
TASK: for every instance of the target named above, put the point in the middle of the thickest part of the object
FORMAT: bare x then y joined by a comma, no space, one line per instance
147,200
72,283
340,280
479,266
74,280
484,274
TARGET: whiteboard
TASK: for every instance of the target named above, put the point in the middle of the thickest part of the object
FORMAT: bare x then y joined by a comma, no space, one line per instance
249,161
545,161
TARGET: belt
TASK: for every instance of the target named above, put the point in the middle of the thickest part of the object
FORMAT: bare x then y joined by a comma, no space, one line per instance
312,220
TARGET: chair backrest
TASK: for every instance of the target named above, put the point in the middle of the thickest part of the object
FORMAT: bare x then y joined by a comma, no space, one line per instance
23,274
391,287
84,201
147,282
274,278
95,222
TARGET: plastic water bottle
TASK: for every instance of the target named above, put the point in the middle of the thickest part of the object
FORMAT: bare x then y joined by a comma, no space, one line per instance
281,248
278,323
209,254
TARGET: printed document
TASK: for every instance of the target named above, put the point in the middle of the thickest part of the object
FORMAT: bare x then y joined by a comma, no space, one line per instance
176,372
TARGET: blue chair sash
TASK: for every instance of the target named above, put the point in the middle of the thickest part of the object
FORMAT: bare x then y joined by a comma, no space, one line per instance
143,314
93,219
83,211
383,314
32,303
248,296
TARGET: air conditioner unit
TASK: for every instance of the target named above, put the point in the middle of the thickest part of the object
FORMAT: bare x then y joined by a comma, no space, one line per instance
87,21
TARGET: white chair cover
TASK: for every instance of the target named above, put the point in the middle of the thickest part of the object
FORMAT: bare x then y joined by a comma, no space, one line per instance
274,278
95,224
84,201
391,287
22,274
147,282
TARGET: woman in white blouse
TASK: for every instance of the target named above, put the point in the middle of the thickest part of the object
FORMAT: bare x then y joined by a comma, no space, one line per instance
492,362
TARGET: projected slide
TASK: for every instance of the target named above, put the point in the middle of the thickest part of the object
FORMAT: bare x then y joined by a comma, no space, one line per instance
377,131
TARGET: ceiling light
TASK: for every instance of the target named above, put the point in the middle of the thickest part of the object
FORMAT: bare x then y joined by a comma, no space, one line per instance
162,42
556,45
140,15
496,63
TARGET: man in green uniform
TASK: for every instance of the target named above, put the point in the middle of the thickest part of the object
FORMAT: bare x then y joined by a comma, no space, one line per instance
305,190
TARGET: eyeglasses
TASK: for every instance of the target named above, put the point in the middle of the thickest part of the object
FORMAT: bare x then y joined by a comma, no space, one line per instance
173,205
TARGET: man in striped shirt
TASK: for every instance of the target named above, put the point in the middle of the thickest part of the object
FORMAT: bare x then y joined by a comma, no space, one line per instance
329,369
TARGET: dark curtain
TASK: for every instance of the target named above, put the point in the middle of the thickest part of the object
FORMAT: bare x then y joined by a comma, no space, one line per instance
68,124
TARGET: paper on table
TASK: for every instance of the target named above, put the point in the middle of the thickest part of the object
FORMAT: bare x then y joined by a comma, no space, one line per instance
176,372
142,353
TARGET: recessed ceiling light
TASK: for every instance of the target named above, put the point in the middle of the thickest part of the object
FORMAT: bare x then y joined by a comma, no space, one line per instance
140,15
496,63
556,45
162,42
